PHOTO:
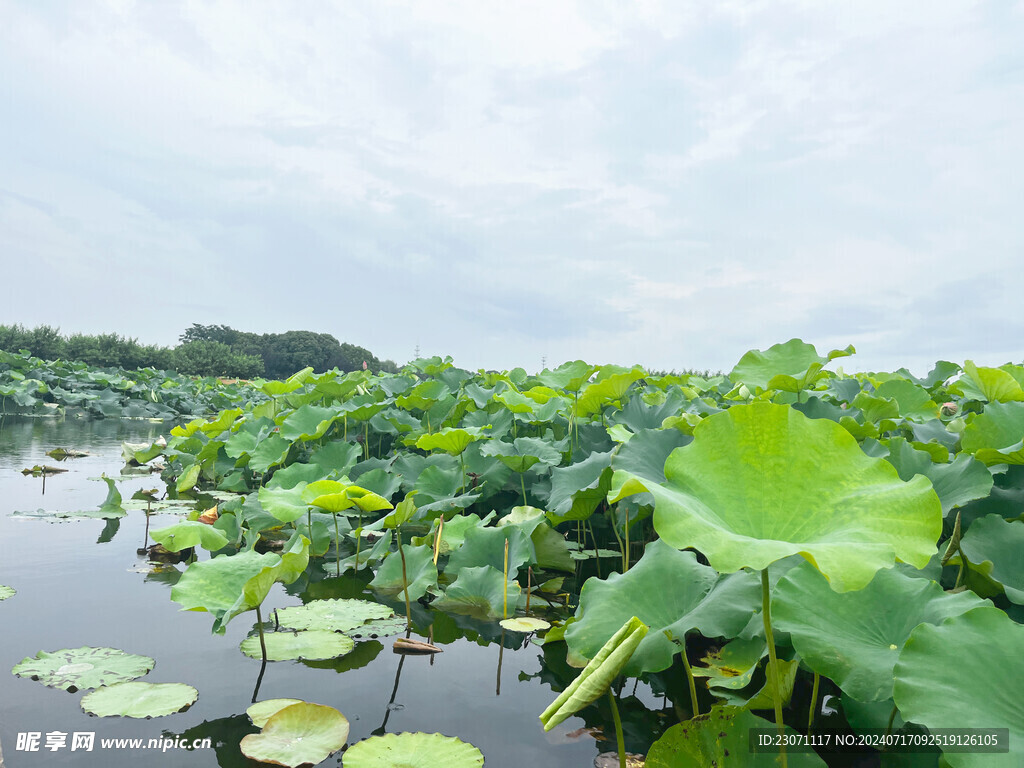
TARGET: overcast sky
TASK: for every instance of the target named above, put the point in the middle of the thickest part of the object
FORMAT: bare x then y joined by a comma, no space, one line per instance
661,183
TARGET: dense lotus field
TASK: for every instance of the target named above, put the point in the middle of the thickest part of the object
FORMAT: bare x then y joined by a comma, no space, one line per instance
768,547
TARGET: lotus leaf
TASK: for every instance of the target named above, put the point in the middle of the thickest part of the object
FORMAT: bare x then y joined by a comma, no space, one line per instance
480,592
365,557
576,490
1000,426
956,483
761,482
419,569
794,358
994,547
450,440
76,669
140,700
187,534
337,615
854,638
669,591
188,479
285,504
270,452
307,644
298,734
522,453
413,750
721,738
262,711
912,401
989,384
598,675
379,628
308,422
337,456
524,624
955,675
229,585
6,592
606,390
733,665
486,546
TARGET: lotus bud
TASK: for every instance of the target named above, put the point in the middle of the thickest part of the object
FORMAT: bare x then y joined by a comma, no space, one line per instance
949,409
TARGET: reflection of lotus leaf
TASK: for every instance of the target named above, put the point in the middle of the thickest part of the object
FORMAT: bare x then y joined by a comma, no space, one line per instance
141,700
413,750
76,669
339,615
310,644
262,711
298,734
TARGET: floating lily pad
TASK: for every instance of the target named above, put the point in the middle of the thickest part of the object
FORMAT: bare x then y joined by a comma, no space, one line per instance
298,734
338,615
75,669
525,624
6,592
140,700
413,750
378,628
314,644
262,711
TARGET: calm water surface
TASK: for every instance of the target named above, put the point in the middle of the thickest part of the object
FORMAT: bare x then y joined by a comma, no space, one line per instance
81,583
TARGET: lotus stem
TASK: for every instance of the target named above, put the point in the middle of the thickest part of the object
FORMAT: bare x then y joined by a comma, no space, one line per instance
522,484
437,540
773,661
814,702
405,583
366,438
501,653
892,719
504,609
359,537
529,580
593,538
337,548
462,461
627,541
618,728
694,706
259,626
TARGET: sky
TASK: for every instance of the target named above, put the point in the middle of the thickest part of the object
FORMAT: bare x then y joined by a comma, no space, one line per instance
521,183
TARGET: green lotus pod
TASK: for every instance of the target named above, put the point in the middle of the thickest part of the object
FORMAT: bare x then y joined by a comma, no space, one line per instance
597,675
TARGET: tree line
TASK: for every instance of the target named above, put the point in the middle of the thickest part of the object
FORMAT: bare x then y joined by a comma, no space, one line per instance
204,350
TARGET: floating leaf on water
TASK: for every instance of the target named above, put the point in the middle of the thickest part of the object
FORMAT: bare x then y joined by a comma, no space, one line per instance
262,711
314,644
298,734
378,628
76,669
336,615
65,453
413,750
524,624
6,592
140,700
39,470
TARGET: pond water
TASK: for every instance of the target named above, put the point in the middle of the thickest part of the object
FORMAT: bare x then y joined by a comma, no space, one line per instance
82,583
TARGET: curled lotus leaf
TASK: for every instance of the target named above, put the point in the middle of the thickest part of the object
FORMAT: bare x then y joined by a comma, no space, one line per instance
75,669
298,734
335,615
140,700
761,482
413,750
313,644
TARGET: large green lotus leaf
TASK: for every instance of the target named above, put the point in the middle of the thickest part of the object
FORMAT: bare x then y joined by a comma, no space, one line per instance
367,556
551,550
965,673
188,533
308,644
913,402
646,453
229,585
413,750
486,546
569,376
761,482
419,568
669,591
76,669
451,440
262,711
141,700
576,490
336,615
381,483
794,358
720,738
6,592
522,453
989,384
956,483
270,452
188,479
298,734
854,638
1011,454
336,456
995,548
308,422
606,390
598,675
480,592
285,504
367,500
1000,426
453,535
437,490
